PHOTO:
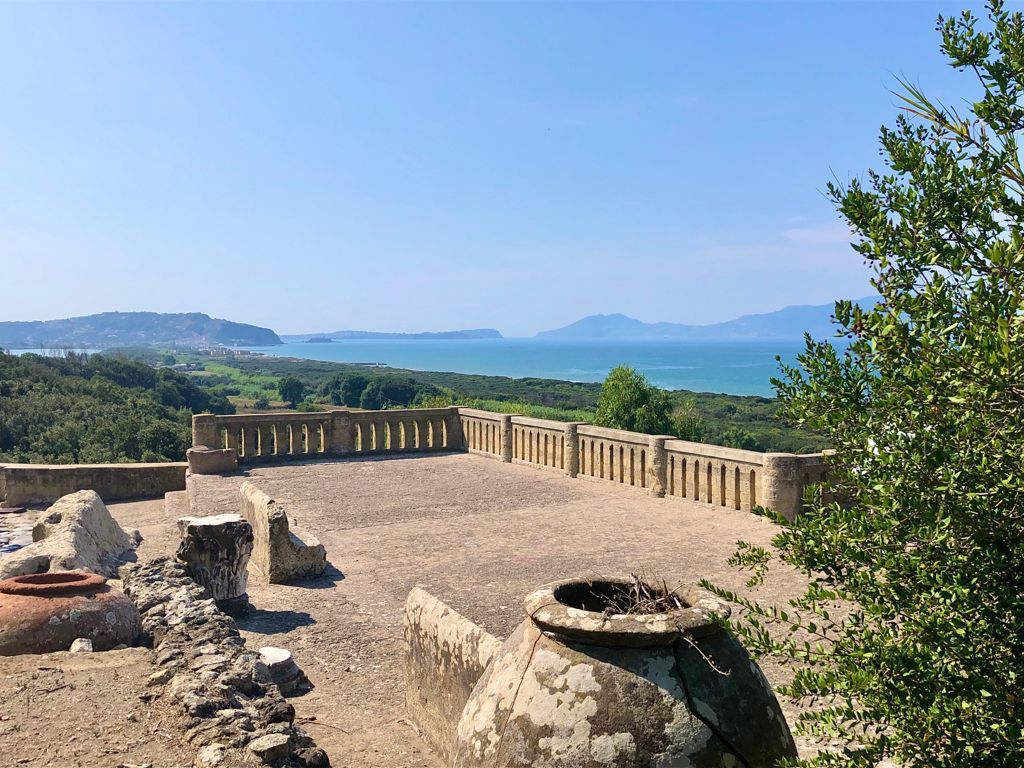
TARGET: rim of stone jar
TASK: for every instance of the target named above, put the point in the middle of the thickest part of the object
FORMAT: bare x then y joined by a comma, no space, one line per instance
546,609
55,584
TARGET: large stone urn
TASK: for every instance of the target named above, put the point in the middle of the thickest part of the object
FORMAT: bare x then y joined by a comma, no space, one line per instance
45,612
577,685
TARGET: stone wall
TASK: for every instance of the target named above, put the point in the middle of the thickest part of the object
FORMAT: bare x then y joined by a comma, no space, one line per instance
445,655
235,713
659,465
274,437
42,483
279,554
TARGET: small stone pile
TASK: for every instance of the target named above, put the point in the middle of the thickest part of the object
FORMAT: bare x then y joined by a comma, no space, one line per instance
231,704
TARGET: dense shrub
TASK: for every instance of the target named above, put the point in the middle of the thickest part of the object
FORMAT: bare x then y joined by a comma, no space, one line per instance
629,401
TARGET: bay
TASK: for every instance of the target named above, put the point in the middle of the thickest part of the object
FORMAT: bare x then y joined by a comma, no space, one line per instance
734,367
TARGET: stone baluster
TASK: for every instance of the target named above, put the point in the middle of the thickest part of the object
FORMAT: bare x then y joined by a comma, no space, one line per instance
505,435
232,431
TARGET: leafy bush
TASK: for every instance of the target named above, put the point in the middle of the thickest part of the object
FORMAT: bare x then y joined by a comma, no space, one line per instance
629,401
687,422
924,408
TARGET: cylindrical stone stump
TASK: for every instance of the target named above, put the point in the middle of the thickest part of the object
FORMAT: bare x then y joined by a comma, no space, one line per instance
216,552
285,673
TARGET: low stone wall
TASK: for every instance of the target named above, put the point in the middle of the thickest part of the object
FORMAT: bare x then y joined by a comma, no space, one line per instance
236,715
42,483
445,655
279,554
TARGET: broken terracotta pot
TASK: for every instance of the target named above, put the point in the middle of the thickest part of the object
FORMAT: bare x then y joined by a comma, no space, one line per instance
579,685
45,612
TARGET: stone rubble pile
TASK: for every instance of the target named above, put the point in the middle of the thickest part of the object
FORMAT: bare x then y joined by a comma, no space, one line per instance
231,704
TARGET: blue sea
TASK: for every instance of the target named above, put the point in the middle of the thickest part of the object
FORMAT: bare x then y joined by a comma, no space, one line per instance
737,368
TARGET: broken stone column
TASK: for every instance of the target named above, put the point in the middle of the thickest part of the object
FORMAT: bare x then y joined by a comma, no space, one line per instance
216,552
285,673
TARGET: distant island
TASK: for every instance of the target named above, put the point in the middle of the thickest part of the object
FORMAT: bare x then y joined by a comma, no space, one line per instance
473,333
785,324
112,329
319,340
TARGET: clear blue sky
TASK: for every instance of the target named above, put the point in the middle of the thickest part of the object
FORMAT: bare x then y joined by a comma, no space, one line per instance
420,166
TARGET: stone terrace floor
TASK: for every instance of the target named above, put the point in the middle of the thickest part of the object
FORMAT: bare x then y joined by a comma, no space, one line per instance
475,532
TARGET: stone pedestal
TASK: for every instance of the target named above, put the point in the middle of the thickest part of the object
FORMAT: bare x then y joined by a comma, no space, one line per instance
203,460
216,552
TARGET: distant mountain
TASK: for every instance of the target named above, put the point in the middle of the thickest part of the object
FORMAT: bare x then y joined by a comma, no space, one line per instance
785,324
111,329
474,333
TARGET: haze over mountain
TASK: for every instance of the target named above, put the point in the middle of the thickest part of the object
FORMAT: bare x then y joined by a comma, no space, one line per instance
789,323
110,329
472,333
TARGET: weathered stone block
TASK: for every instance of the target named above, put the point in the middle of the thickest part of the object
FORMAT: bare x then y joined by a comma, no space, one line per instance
279,554
216,552
211,461
445,655
77,533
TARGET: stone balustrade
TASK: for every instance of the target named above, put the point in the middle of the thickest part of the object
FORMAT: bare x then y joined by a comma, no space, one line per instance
543,443
660,465
292,436
485,432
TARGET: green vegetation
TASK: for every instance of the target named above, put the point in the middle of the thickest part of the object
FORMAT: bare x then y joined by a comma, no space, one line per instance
743,422
924,410
629,401
82,409
292,390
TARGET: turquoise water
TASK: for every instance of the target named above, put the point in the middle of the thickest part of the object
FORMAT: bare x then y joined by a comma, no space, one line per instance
737,368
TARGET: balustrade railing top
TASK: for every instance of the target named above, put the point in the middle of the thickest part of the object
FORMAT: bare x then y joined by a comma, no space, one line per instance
660,464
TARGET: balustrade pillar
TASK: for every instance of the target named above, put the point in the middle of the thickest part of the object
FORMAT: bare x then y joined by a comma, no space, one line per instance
572,449
231,431
204,430
506,438
657,477
780,484
338,435
456,438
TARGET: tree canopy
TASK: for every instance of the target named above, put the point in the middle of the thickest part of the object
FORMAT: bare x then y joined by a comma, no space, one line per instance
922,534
94,408
292,390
